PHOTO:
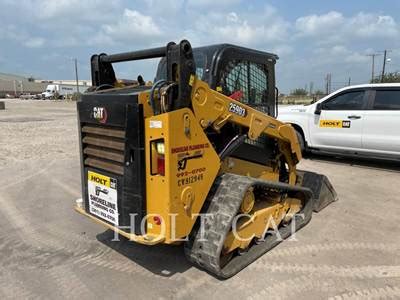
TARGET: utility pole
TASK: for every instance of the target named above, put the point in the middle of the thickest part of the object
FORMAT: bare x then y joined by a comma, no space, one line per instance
311,87
330,83
373,65
349,81
76,75
328,86
15,89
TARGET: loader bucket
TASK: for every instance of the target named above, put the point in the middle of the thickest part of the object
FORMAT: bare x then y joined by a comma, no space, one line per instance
323,191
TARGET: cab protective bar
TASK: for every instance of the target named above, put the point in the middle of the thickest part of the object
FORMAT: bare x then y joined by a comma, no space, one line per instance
134,55
180,68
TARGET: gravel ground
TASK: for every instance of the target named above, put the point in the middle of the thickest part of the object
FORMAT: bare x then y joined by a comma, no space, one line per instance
350,250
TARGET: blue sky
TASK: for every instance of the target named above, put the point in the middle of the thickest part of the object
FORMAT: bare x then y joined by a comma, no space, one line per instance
312,38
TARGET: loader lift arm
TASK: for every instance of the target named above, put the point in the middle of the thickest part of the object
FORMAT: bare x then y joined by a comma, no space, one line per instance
214,109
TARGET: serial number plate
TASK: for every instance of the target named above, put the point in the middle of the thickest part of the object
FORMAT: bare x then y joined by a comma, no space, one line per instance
237,109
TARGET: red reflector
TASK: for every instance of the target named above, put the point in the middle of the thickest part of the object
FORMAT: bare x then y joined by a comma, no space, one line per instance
160,165
157,220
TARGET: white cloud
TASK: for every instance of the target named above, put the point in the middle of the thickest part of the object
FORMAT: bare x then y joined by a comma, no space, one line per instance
63,23
334,28
34,42
372,25
339,54
133,26
13,33
316,25
282,50
232,17
212,3
266,28
164,7
69,10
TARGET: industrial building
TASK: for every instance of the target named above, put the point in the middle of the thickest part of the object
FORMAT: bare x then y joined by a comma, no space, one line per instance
15,85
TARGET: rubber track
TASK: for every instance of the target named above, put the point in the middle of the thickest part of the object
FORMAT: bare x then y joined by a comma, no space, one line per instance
223,203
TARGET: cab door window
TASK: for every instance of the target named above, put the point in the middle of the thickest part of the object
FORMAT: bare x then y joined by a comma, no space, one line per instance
245,78
354,100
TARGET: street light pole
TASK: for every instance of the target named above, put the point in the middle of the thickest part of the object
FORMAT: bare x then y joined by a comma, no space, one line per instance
384,65
76,75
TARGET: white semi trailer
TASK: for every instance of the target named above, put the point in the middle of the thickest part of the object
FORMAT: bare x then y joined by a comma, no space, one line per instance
62,91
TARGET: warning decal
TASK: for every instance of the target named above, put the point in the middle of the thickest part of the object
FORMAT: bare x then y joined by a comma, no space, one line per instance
102,192
334,123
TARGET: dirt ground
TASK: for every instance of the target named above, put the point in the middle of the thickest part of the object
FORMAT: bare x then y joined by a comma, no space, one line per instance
350,250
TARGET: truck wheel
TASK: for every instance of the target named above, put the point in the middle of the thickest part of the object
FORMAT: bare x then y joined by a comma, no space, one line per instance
301,142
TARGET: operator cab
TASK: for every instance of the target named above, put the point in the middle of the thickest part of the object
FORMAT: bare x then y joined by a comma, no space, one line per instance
244,74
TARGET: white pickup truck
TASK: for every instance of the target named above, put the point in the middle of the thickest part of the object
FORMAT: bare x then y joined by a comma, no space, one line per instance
362,120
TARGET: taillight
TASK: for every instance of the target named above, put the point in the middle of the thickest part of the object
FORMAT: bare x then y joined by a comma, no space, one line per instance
161,165
158,157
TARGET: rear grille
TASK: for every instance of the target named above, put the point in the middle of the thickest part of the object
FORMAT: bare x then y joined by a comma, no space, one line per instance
103,147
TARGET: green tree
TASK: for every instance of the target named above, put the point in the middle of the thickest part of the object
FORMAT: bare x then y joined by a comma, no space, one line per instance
319,93
299,92
389,77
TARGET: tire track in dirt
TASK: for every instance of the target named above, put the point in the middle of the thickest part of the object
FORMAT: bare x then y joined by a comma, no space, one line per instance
18,254
370,271
387,292
192,285
101,260
69,284
12,288
41,240
123,265
66,188
292,251
44,249
29,176
293,287
239,285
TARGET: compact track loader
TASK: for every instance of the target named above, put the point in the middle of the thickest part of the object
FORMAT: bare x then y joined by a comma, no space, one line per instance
195,158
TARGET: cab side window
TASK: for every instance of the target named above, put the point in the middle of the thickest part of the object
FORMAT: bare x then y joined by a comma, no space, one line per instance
347,101
387,100
247,78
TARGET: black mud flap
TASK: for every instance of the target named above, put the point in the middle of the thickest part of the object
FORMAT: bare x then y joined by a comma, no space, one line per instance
323,191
